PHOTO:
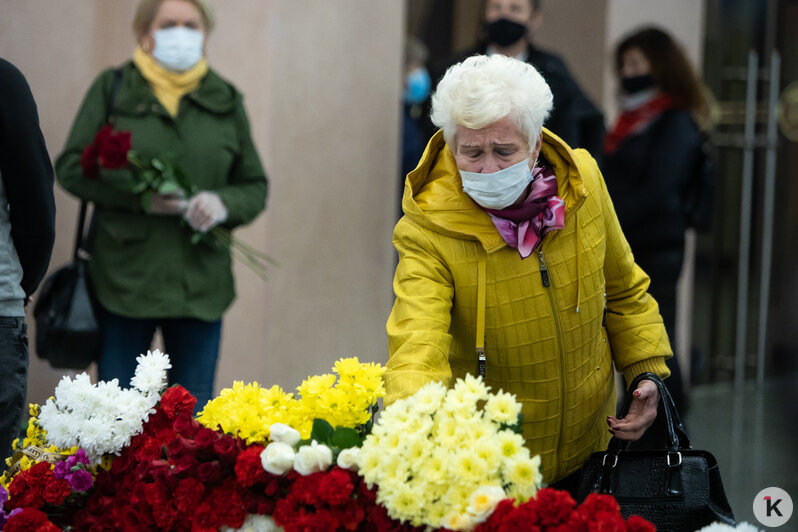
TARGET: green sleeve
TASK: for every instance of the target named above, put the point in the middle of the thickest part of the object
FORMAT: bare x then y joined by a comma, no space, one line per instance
246,189
91,117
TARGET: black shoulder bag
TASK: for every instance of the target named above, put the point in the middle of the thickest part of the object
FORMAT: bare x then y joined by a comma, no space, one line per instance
675,487
67,330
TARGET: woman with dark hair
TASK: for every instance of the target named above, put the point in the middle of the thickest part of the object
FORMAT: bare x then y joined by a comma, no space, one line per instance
650,158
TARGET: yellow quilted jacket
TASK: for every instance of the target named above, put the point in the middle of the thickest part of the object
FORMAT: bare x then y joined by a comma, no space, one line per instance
551,346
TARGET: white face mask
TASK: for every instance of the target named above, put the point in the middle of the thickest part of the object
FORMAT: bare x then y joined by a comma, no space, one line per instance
178,48
499,189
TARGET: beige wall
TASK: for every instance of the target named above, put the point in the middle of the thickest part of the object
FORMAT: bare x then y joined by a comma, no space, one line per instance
321,82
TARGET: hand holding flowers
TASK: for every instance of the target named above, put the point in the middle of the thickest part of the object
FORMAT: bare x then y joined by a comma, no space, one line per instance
165,189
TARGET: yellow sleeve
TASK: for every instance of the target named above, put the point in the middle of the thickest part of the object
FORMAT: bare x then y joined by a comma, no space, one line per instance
418,327
635,329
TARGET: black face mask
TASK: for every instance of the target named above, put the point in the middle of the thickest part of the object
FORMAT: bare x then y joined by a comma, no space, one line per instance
637,83
504,32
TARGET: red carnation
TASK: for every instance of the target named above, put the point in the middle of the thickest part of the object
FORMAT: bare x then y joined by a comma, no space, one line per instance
226,448
205,438
638,524
597,502
30,520
498,515
56,490
188,494
335,487
227,501
185,425
209,472
27,488
176,400
248,469
607,522
553,506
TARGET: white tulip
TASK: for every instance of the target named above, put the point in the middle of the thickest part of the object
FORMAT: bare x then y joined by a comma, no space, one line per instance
277,458
312,458
349,458
284,433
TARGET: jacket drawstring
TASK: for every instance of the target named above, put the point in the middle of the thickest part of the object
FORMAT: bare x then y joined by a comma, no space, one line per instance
480,340
578,260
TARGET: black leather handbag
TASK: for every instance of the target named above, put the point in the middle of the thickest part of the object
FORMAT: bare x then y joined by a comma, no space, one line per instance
667,482
67,330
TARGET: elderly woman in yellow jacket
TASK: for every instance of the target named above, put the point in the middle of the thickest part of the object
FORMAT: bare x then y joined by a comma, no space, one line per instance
512,264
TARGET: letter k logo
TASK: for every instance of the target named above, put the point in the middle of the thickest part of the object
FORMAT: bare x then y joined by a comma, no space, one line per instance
773,506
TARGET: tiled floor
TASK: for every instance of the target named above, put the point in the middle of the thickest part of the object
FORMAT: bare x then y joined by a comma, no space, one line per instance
754,436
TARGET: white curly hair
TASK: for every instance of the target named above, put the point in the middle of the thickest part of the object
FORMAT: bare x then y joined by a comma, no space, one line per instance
482,90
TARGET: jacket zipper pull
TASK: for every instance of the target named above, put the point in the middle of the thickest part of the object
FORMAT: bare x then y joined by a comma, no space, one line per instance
481,362
544,270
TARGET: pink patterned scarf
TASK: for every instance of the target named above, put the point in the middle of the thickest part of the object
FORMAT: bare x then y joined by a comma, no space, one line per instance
522,226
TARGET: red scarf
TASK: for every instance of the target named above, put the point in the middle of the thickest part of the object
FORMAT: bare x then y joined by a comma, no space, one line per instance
635,120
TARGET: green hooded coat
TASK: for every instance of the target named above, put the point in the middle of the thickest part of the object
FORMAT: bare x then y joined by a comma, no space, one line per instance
145,265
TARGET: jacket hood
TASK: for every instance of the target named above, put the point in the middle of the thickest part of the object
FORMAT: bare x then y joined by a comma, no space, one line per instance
434,197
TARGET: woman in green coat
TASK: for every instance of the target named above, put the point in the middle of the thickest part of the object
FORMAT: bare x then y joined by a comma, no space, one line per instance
145,270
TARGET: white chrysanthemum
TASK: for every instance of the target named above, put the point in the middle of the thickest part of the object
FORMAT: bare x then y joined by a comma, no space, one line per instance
428,399
509,443
102,418
468,465
525,473
503,408
430,455
150,376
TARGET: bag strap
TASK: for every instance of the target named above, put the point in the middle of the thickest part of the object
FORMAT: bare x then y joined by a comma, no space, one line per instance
674,429
83,241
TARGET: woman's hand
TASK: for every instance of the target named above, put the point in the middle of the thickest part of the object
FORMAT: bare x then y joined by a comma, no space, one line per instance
168,204
205,211
641,415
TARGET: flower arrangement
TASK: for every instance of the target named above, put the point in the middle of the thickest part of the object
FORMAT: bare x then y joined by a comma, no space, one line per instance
440,459
111,150
235,468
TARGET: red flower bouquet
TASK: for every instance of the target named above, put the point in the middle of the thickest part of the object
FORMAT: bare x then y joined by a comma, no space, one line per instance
556,511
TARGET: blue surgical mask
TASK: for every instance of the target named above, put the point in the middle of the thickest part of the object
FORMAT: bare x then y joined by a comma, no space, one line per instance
178,48
499,189
418,85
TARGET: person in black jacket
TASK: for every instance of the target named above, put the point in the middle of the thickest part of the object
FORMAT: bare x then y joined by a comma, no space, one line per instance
507,29
650,158
27,233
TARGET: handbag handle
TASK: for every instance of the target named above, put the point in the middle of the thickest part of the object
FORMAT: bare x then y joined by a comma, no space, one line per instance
675,433
83,242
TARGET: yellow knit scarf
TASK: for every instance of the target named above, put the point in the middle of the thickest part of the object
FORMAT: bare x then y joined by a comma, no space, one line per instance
169,86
